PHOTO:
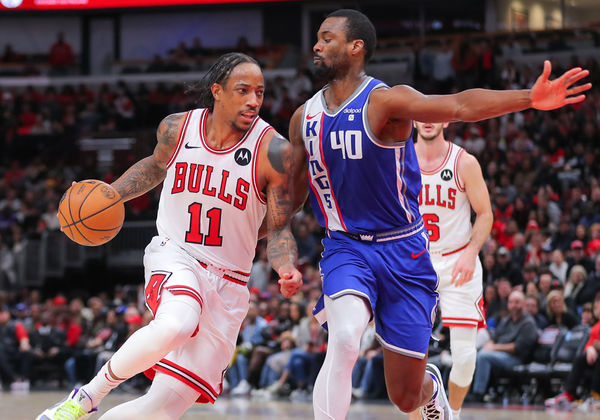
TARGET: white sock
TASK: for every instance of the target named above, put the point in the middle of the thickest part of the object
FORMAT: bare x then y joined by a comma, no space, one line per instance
101,385
456,413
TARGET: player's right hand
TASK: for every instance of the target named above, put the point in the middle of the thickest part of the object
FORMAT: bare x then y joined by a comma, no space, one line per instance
290,282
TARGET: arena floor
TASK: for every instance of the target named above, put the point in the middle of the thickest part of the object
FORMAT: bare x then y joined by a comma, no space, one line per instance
26,407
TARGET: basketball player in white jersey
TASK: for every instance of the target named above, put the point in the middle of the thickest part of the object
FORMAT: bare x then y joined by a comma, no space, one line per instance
223,171
452,185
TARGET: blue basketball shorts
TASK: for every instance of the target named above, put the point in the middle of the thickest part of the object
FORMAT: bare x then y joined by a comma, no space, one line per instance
396,277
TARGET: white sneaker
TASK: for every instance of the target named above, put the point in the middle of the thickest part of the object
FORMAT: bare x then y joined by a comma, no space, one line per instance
438,408
71,408
243,388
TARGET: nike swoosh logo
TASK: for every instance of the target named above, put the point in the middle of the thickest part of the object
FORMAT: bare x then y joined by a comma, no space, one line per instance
310,117
415,256
187,146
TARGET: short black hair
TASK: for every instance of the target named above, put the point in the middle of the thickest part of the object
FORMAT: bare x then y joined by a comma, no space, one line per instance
218,73
358,26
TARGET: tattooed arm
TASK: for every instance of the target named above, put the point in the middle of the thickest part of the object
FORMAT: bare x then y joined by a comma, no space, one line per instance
299,171
150,171
276,169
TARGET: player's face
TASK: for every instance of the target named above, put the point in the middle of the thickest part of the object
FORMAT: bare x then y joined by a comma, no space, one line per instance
429,131
331,55
242,96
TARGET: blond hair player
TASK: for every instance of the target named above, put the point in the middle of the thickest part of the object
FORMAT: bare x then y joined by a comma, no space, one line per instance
452,185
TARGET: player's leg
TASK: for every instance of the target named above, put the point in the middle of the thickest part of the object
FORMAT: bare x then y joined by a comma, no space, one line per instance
347,318
176,320
167,399
409,386
464,355
404,315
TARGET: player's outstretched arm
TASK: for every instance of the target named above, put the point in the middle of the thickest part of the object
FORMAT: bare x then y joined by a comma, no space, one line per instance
405,103
282,251
150,171
469,172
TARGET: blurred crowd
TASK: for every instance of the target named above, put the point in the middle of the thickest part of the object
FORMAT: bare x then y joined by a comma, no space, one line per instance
540,167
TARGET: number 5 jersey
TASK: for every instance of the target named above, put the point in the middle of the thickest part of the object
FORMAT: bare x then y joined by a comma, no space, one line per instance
210,204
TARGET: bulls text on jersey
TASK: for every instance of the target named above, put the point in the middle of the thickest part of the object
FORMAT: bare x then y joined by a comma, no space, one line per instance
429,197
198,178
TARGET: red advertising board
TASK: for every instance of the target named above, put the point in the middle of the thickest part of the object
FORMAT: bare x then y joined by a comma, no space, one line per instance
106,4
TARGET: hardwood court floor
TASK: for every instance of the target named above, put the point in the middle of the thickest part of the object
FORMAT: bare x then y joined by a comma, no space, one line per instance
27,407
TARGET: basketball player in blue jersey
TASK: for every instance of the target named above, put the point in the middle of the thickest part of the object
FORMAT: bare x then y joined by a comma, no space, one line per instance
355,157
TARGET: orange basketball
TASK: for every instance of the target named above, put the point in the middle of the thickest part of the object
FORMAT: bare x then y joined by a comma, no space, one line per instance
91,212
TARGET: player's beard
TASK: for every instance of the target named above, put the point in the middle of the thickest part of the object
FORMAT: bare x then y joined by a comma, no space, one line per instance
336,70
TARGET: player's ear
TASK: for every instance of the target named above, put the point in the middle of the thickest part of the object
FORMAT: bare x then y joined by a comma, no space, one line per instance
358,45
445,125
217,90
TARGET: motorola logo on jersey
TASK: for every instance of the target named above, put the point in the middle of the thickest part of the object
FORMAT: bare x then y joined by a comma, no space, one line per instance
242,156
446,175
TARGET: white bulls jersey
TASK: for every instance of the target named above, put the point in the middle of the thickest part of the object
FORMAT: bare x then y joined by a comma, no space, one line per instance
444,204
210,204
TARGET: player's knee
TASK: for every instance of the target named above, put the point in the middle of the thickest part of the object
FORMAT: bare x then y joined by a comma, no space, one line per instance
405,400
464,356
346,341
172,331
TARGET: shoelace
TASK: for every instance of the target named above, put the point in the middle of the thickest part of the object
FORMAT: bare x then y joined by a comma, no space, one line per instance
431,411
69,410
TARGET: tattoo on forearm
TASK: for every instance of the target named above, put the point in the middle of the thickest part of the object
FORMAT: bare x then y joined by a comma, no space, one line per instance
279,156
281,247
149,172
140,178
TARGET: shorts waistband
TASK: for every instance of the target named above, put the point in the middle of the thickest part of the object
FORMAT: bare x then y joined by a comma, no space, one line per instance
446,253
238,277
391,235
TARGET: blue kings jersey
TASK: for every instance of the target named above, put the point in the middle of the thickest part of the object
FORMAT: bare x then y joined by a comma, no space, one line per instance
357,183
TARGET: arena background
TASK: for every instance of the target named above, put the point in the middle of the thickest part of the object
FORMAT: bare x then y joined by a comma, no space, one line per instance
88,107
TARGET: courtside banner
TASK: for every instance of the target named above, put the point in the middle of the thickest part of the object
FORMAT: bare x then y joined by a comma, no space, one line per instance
108,4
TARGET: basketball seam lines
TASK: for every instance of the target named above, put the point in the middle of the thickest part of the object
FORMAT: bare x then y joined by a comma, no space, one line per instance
72,218
90,215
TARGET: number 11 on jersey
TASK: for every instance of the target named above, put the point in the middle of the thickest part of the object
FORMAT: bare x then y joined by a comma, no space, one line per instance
213,238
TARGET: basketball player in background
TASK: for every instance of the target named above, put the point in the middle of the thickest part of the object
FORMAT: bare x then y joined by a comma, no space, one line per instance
353,147
452,185
223,171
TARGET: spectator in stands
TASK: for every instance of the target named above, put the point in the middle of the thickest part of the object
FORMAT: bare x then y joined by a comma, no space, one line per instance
578,256
260,274
505,268
556,309
512,343
544,285
591,286
251,337
61,56
587,315
587,361
48,344
15,352
576,282
532,307
558,267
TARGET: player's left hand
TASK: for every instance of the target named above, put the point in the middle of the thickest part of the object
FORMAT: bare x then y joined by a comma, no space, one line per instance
462,272
290,281
551,94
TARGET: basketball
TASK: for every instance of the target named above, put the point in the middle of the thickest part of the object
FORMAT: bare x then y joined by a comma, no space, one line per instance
91,212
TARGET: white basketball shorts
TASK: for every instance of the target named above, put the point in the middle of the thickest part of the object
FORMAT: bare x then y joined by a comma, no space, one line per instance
202,361
461,306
